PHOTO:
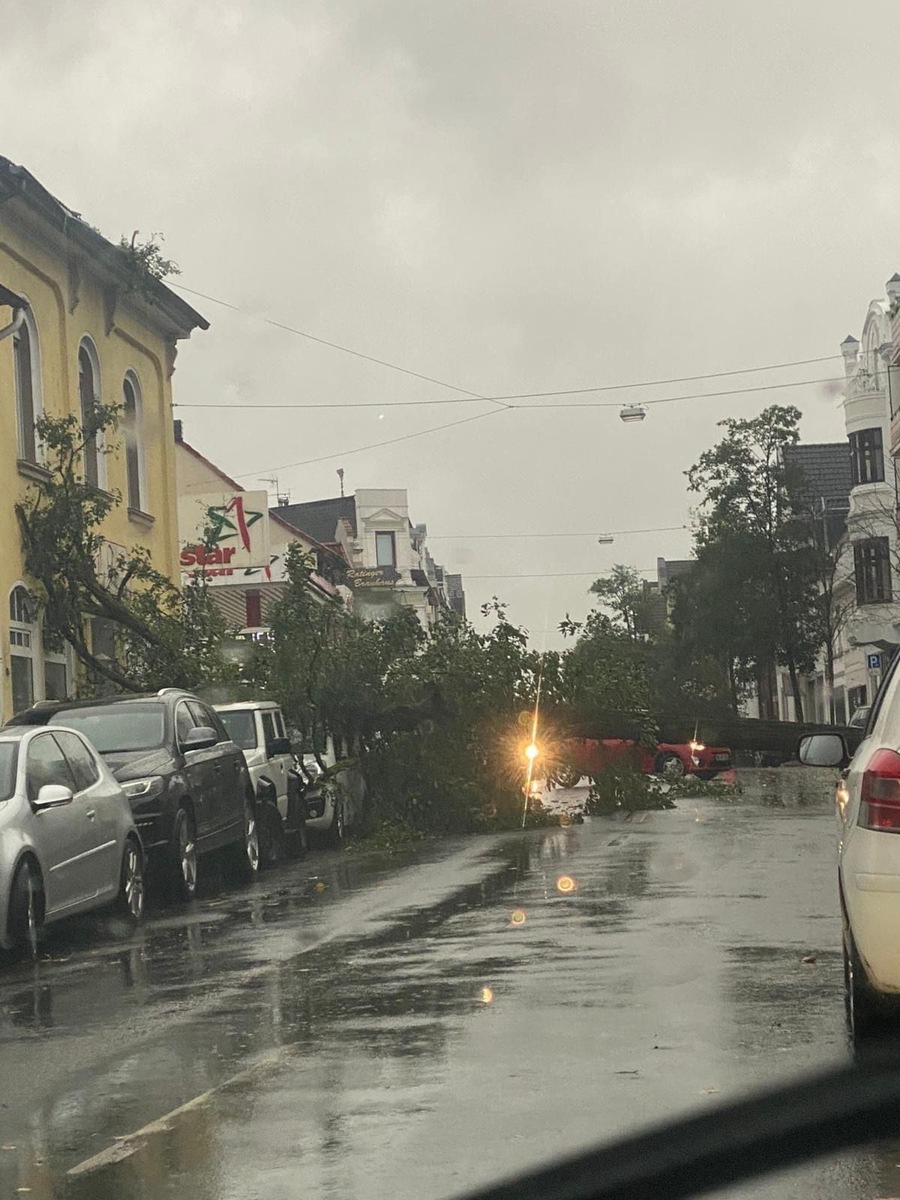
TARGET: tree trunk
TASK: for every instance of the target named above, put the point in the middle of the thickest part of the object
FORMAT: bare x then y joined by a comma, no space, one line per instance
732,687
795,690
829,679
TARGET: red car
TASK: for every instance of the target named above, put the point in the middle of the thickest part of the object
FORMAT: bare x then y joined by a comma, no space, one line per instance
588,756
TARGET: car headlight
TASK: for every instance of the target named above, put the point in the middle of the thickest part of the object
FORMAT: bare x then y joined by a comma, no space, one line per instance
144,789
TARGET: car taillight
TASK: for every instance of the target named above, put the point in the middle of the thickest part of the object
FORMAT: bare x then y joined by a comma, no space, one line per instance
879,794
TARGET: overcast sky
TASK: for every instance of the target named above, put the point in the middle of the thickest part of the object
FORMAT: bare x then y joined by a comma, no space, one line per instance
507,195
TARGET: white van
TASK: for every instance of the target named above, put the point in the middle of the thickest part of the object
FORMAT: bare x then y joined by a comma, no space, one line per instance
257,727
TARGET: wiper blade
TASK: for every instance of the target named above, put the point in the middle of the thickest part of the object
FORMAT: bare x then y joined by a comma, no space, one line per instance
837,1110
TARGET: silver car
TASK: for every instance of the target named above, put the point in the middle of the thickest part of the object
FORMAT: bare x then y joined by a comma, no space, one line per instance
68,842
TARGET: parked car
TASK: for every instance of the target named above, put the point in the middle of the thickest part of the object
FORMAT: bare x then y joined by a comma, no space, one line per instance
579,757
860,717
333,797
68,841
257,727
187,781
868,817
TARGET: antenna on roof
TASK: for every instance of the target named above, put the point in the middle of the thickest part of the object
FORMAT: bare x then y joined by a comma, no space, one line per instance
340,474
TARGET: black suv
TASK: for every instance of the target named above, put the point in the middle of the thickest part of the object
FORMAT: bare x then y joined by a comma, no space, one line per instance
187,782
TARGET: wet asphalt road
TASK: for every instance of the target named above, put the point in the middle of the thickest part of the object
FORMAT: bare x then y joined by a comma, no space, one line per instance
351,1026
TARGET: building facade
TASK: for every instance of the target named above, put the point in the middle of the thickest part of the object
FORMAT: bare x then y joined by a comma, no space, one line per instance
389,562
852,499
240,543
76,331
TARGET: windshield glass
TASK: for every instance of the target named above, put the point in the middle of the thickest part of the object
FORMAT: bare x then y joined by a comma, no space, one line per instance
8,759
240,726
505,396
120,727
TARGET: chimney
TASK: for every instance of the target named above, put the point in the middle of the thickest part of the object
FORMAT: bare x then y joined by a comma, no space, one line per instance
179,432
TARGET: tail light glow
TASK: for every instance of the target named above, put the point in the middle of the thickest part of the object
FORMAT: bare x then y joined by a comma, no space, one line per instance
879,795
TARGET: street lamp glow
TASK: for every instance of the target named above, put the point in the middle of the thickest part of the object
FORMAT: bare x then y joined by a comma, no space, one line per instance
531,751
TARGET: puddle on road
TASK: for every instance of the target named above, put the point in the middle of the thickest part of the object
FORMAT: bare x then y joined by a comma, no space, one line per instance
381,988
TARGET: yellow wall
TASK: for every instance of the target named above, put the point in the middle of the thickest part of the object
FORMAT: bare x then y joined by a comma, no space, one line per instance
64,314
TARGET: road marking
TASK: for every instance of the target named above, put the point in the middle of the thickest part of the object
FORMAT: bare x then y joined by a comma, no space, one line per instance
130,1143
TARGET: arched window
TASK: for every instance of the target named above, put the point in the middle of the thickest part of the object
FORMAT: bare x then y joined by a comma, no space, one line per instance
27,369
89,395
132,423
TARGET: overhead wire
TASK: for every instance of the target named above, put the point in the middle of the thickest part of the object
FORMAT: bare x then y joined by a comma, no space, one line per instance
240,406
406,437
609,387
567,534
381,362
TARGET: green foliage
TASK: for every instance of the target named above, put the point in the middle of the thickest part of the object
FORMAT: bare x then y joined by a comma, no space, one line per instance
387,837
605,676
432,717
624,789
757,575
158,634
689,786
144,263
622,591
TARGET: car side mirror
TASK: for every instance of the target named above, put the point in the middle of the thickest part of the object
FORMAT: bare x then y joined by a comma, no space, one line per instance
823,750
201,737
278,745
53,795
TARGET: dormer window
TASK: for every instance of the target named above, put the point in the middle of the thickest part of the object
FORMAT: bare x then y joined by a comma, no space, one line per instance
386,549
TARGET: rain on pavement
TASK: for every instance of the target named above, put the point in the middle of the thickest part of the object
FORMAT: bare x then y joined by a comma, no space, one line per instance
361,1027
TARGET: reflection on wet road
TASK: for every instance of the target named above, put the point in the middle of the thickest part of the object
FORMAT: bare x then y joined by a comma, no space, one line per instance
356,1028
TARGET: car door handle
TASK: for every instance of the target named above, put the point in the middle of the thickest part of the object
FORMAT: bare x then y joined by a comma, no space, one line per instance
90,814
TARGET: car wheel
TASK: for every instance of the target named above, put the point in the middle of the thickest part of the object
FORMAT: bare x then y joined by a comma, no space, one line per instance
130,902
271,836
569,777
671,766
336,830
246,852
865,1016
183,857
26,908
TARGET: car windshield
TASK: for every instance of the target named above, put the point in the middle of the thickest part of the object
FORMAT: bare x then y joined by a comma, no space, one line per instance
118,728
240,726
503,397
8,759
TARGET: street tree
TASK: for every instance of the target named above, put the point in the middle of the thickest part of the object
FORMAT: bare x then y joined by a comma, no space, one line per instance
745,493
159,634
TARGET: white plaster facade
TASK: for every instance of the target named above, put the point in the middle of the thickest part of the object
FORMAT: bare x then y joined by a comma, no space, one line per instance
382,520
871,625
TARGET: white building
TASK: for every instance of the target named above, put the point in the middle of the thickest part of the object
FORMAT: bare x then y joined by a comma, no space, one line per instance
244,561
867,578
389,560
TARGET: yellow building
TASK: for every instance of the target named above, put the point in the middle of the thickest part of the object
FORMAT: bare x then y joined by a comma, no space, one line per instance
76,330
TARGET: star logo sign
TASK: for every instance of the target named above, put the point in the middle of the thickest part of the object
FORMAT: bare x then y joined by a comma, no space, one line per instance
232,520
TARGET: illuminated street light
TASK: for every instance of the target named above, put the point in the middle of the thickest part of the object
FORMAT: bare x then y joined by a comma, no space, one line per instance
531,751
632,412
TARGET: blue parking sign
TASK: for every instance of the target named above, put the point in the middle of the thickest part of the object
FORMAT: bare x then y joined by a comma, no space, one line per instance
873,662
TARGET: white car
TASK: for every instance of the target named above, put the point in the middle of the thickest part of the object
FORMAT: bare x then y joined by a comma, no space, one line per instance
257,727
333,801
68,841
868,811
